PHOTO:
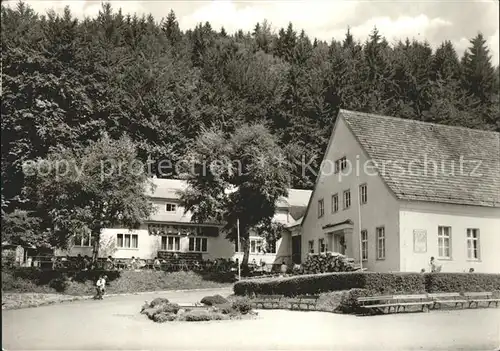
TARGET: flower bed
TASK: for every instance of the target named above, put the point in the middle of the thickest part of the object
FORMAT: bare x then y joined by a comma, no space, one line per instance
161,310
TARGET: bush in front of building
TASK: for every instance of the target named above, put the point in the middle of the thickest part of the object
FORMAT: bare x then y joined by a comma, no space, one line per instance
461,282
375,283
380,283
393,283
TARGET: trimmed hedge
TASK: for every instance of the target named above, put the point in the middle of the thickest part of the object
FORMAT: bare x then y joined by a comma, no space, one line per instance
461,282
378,283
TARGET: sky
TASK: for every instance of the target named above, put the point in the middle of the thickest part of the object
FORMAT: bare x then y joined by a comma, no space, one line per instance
434,21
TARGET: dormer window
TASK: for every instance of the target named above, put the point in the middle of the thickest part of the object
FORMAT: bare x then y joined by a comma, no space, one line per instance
170,207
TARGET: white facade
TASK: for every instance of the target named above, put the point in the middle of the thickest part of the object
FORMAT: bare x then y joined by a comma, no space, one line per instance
465,252
398,235
380,210
146,243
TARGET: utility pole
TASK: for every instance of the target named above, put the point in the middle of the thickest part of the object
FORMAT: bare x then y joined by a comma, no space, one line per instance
360,227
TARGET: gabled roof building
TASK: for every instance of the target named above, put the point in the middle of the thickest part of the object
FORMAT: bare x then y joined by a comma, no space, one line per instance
392,193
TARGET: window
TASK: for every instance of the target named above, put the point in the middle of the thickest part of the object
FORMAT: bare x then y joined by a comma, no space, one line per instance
340,164
335,203
83,239
170,207
170,243
343,163
310,246
444,242
256,245
321,208
127,241
198,244
347,199
271,246
363,194
321,245
380,243
473,244
364,245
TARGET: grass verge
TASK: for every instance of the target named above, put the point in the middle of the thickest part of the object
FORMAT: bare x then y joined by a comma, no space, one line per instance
83,283
12,301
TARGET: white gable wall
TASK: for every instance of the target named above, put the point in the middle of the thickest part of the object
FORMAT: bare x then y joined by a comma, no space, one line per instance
382,208
426,216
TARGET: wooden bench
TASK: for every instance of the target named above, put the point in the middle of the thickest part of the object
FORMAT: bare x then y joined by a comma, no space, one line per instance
396,302
307,300
413,300
446,298
476,297
273,300
376,303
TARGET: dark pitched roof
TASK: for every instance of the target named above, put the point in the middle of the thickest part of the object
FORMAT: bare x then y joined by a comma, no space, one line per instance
405,146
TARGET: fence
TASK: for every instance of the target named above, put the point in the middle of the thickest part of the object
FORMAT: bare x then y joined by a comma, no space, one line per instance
174,265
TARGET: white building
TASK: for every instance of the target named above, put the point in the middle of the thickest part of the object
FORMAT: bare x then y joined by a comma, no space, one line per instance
170,231
395,192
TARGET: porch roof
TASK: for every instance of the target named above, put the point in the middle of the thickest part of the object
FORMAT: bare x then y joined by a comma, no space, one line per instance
347,222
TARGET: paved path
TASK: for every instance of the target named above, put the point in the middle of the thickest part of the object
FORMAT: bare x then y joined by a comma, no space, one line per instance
115,323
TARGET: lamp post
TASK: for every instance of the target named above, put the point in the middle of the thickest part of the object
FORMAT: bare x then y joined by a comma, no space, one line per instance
359,226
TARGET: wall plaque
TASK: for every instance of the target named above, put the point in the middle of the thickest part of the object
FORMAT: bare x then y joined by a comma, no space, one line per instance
419,240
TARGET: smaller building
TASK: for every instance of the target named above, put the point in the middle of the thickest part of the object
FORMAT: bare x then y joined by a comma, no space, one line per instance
169,232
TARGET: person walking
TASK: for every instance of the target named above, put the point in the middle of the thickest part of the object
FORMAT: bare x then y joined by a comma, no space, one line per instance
101,287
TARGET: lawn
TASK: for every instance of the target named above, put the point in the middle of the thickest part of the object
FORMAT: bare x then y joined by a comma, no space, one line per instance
26,288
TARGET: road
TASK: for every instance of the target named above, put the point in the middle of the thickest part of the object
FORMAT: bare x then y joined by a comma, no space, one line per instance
115,324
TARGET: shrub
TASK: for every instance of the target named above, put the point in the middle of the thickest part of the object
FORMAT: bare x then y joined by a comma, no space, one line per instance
243,305
144,307
329,301
461,282
8,259
226,308
169,308
213,300
158,301
394,283
164,317
150,312
59,284
318,283
197,316
349,300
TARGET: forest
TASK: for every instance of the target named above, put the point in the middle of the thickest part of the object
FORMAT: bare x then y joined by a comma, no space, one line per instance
66,81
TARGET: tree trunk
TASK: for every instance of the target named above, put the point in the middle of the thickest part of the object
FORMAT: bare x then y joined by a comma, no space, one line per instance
246,254
96,235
